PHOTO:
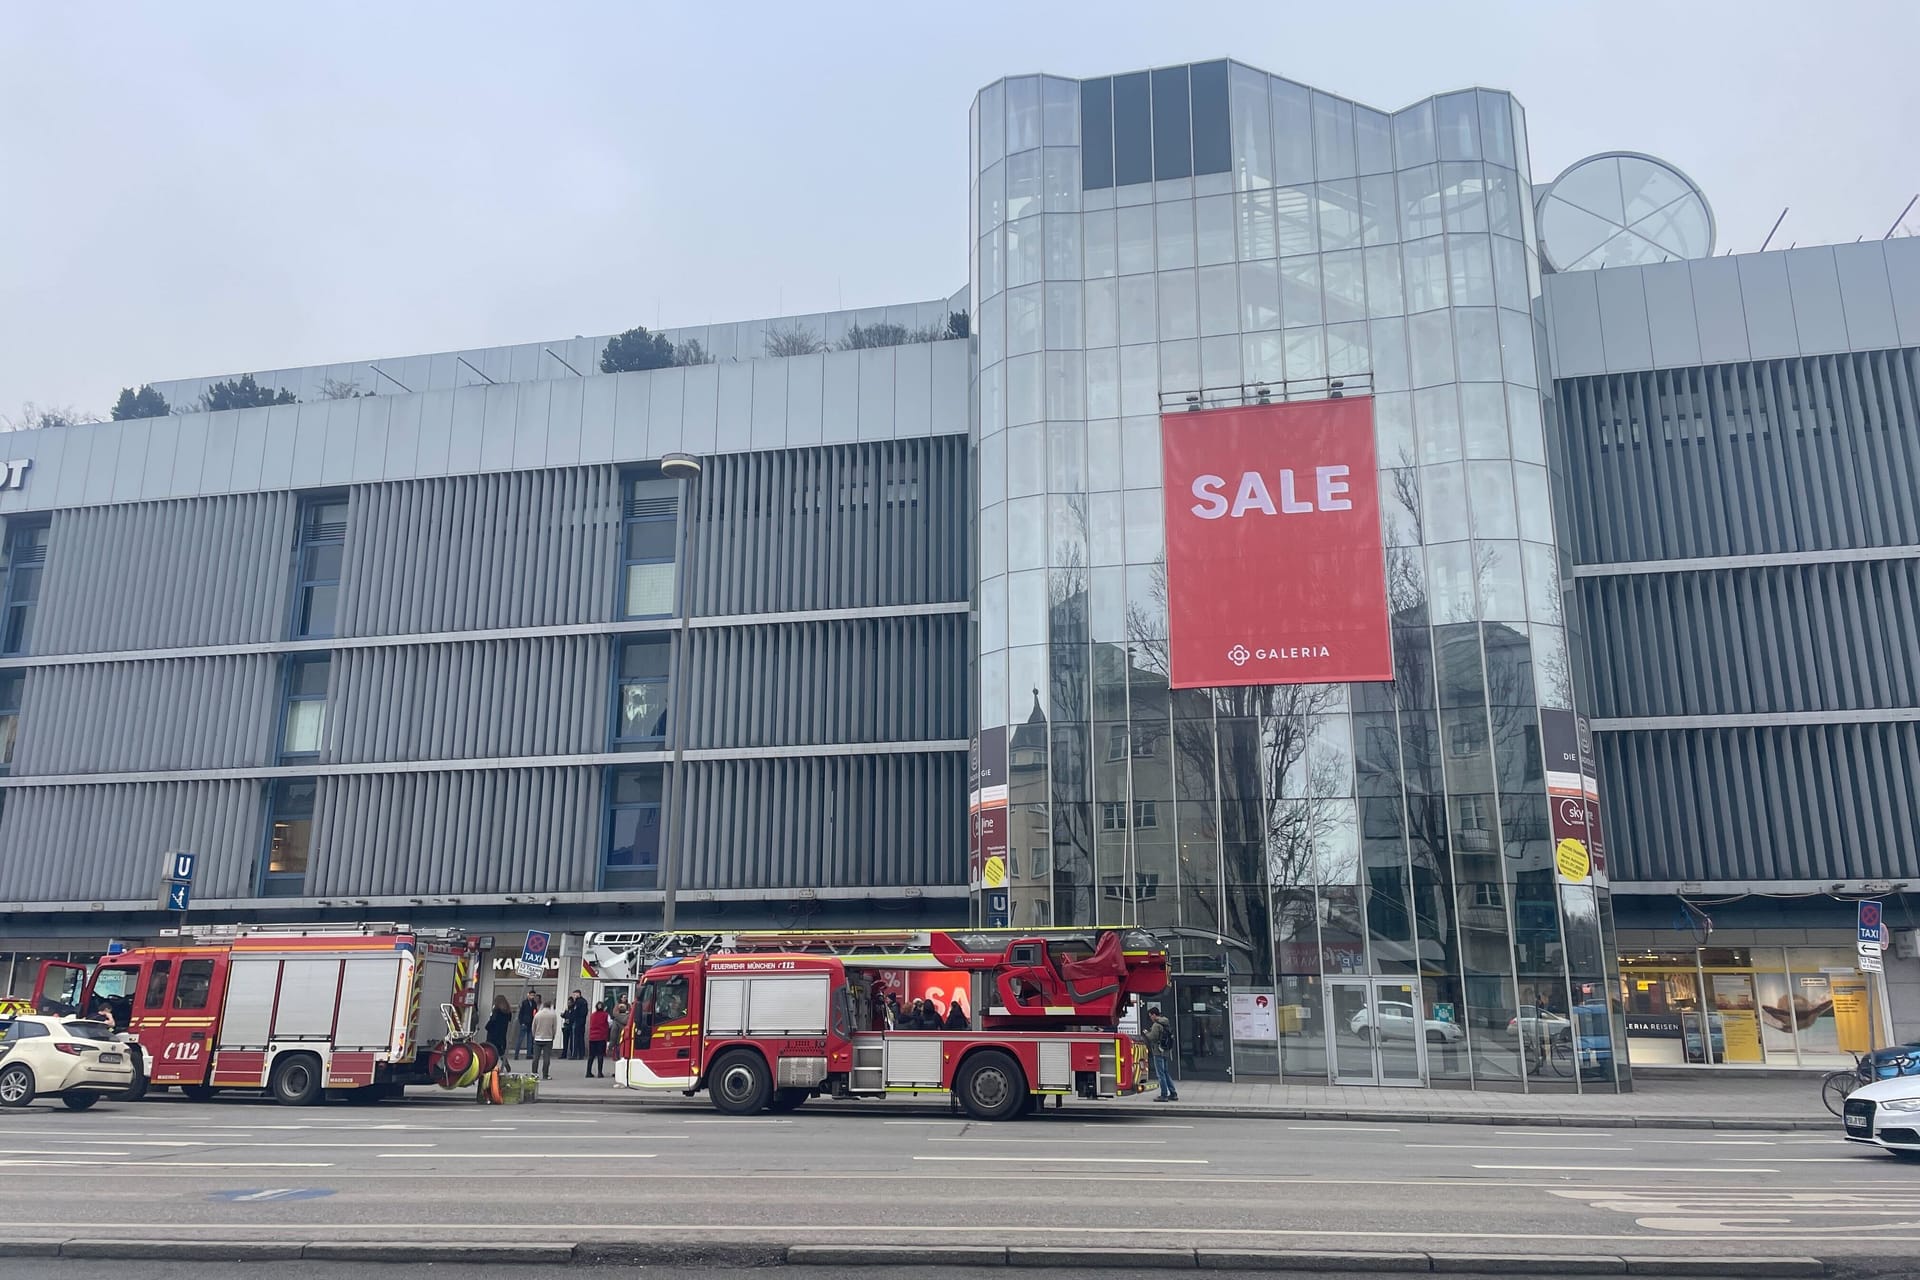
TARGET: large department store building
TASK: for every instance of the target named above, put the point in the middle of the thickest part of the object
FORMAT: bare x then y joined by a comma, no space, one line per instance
889,641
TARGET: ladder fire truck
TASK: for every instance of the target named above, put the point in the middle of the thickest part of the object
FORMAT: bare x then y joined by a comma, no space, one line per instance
297,1011
765,1020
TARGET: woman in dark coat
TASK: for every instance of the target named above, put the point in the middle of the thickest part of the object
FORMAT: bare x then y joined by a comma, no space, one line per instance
497,1023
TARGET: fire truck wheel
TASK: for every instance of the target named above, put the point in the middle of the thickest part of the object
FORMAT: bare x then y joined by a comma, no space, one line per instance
1032,1104
139,1087
296,1080
79,1099
787,1099
739,1083
16,1085
991,1086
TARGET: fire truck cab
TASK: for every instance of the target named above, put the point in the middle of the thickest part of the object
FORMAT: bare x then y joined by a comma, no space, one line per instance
764,1021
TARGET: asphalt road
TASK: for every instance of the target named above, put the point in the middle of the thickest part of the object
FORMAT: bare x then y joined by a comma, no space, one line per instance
241,1169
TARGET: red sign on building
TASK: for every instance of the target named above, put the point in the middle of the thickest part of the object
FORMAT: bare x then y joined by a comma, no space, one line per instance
1275,569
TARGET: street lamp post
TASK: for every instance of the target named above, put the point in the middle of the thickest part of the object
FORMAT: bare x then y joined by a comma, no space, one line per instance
685,469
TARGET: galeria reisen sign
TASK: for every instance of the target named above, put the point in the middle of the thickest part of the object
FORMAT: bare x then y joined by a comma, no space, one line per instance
1276,573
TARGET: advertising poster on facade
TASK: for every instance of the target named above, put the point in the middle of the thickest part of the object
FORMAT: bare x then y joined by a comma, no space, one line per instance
1276,572
1253,1016
1573,797
987,814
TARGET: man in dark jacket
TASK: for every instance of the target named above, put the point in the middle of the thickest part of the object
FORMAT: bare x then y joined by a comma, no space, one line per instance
524,1044
576,1019
956,1016
1159,1039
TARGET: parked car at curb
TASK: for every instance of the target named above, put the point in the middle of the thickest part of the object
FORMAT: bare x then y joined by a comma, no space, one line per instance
74,1059
1397,1023
1886,1114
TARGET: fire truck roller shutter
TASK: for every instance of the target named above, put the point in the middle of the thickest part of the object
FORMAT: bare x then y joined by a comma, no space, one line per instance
307,990
783,1006
366,1003
251,984
725,1014
436,981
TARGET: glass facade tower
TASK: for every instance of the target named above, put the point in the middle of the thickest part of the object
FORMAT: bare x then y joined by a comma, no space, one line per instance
1358,881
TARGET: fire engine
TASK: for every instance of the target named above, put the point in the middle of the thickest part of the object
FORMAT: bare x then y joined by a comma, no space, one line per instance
296,1011
765,1020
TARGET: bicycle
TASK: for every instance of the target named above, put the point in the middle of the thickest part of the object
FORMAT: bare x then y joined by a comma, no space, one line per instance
1837,1086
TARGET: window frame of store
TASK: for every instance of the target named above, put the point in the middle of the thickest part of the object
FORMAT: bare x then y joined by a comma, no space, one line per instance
619,736
13,685
283,808
296,695
22,567
632,875
313,535
1778,961
660,506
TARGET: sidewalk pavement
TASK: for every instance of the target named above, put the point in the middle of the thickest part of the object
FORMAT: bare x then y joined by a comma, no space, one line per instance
1713,1100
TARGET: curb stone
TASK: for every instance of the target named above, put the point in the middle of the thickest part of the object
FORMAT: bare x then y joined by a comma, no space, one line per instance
1514,1264
349,1251
1171,1259
1640,1266
683,1253
183,1250
37,1247
862,1255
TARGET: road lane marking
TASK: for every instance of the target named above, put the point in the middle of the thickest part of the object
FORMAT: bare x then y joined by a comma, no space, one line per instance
172,1164
520,1155
1341,1128
1495,1146
740,1120
1555,1133
1067,1159
1101,1142
1708,1142
42,1151
1612,1168
278,1146
1863,1155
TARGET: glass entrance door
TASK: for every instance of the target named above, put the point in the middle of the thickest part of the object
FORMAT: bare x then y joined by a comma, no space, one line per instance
1201,1025
1377,1031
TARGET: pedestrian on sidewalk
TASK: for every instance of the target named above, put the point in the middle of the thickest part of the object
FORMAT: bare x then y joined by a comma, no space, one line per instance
599,1029
524,1043
576,1020
1160,1041
546,1025
497,1023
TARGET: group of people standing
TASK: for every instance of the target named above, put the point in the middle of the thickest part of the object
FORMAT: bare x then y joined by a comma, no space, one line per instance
878,1009
581,1030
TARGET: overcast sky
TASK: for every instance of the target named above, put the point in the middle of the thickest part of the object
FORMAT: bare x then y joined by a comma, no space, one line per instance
197,188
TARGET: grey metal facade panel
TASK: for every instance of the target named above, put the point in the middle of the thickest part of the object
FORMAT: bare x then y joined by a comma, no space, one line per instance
825,823
1819,319
1808,454
1720,309
1624,328
1766,300
98,843
1784,638
184,713
869,680
834,527
1866,295
1574,324
498,698
510,549
871,394
159,575
1820,802
470,831
1673,330
1903,274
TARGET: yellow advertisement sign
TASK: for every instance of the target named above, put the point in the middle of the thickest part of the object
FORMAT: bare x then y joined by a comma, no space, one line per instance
1742,1032
1851,1022
996,872
1570,855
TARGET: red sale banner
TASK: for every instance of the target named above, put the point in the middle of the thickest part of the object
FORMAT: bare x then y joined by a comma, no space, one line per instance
1275,569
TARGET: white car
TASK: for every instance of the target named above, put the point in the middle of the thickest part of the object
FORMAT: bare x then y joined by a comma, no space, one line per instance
1397,1023
74,1058
1886,1114
1536,1025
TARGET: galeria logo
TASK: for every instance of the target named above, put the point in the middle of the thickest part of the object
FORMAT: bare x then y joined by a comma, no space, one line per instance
1238,655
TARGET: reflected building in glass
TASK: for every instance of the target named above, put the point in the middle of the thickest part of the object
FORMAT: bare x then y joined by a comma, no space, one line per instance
1359,881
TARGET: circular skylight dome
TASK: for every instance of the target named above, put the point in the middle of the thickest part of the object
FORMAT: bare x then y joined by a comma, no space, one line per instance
1622,209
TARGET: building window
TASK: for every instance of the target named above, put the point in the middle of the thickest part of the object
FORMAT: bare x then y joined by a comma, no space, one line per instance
1113,815
26,558
11,682
1488,895
1145,741
647,539
1117,742
640,718
1466,737
1146,814
322,551
289,836
305,715
633,827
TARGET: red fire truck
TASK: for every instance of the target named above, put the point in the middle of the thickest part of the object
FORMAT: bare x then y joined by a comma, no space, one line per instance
764,1021
295,1011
